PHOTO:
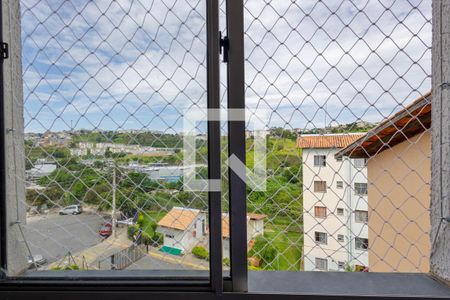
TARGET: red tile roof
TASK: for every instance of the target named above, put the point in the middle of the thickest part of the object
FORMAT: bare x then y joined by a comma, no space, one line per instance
341,140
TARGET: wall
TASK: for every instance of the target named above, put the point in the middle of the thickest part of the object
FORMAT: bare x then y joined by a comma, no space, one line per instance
17,251
399,194
440,197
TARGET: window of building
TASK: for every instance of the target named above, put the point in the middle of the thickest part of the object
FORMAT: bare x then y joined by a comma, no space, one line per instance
320,237
320,186
361,216
170,236
320,160
340,211
339,158
320,211
340,237
360,188
339,184
341,265
360,163
361,243
322,264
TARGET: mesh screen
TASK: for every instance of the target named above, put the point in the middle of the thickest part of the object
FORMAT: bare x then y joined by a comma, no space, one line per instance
342,88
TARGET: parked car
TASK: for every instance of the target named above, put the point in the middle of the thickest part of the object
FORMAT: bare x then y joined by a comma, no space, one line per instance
71,210
36,260
127,222
106,230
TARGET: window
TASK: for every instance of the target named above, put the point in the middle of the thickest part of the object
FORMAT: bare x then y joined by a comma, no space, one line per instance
360,188
340,237
340,211
320,186
339,184
320,237
339,158
320,160
361,216
322,264
170,236
361,243
360,163
341,265
320,211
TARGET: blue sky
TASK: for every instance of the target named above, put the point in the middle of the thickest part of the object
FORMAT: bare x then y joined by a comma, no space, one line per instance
140,64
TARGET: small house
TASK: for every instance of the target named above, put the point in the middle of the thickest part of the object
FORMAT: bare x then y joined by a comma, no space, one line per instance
182,229
255,227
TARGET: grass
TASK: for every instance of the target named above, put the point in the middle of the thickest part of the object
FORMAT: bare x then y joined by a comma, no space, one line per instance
279,151
289,250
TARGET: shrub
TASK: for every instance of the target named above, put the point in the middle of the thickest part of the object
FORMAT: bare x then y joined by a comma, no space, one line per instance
140,220
157,239
146,238
65,268
200,252
226,261
263,250
131,232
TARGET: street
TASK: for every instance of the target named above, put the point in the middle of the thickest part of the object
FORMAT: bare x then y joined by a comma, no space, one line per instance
53,236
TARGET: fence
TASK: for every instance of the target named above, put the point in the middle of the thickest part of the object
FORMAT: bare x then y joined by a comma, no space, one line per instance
123,258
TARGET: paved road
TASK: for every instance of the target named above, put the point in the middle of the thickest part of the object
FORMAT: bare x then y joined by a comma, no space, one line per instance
54,236
151,263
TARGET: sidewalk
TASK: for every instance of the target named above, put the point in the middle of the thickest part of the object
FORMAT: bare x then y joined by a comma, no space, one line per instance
90,256
188,260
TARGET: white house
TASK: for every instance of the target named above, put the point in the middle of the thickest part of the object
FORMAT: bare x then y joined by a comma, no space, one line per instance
335,206
183,228
40,169
255,227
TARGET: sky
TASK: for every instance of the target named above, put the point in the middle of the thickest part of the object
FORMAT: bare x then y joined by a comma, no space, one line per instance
126,64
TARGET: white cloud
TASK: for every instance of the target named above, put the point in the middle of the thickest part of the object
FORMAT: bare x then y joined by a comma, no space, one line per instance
89,61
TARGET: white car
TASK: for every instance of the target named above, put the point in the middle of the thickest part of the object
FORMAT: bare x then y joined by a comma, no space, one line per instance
36,260
128,222
71,210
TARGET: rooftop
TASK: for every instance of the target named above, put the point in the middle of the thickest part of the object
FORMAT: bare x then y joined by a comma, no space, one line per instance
179,218
323,141
406,123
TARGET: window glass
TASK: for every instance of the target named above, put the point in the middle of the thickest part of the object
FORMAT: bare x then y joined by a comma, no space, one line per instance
360,188
320,160
320,186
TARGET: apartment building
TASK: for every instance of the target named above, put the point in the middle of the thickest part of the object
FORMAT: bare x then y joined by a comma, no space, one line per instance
399,176
335,208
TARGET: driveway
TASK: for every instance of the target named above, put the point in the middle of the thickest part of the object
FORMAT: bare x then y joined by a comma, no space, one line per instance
53,236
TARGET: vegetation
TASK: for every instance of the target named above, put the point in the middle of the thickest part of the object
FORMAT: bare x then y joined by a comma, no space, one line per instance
200,252
153,139
72,182
279,250
66,268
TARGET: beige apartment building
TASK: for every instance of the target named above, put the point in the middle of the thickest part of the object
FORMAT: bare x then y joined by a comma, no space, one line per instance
399,171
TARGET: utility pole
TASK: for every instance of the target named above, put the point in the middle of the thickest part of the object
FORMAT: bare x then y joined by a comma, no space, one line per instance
113,217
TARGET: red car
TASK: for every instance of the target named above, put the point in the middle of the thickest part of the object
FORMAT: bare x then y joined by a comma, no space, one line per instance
106,230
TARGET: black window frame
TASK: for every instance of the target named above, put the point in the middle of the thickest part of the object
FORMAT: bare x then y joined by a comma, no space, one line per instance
114,287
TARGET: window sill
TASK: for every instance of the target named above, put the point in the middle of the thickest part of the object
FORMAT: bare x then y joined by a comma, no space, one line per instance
263,284
392,285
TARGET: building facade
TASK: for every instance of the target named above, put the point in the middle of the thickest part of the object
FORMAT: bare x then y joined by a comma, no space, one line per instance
335,209
182,228
399,176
